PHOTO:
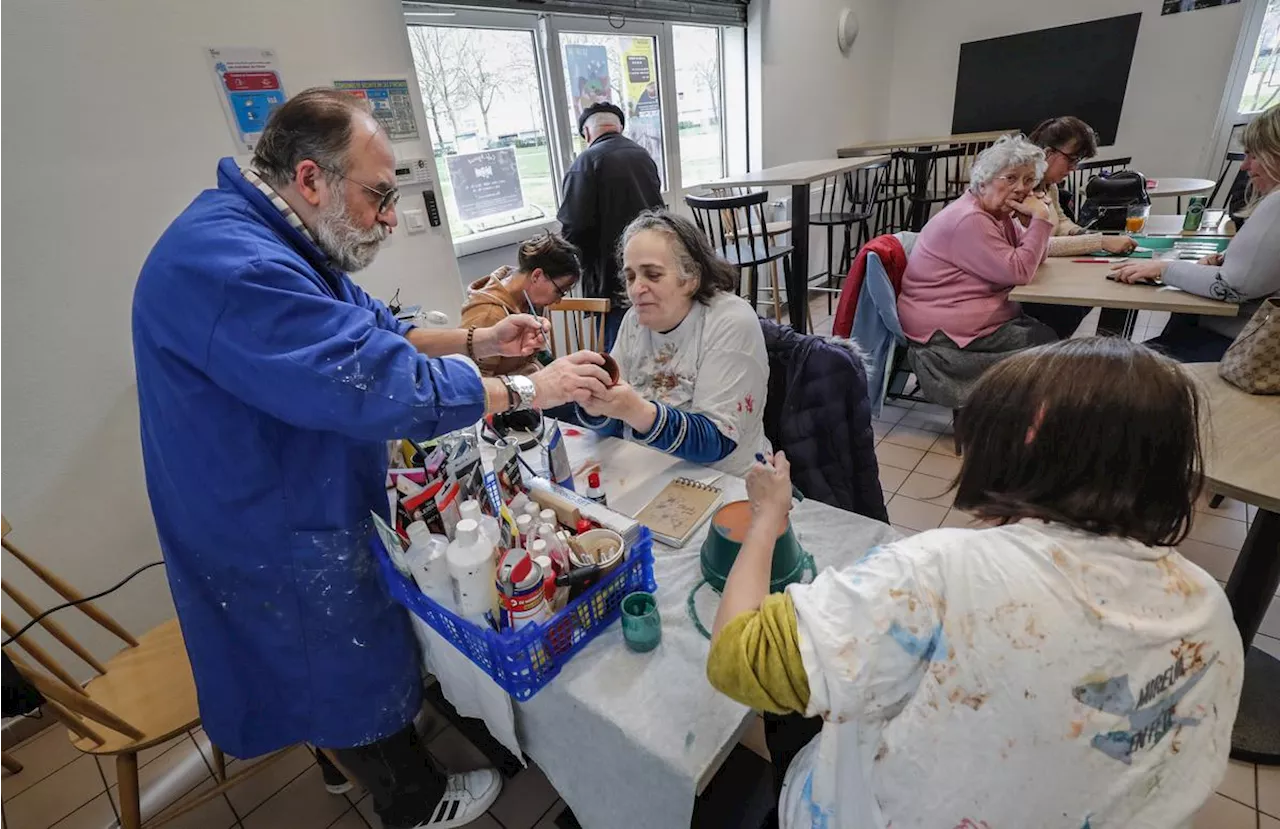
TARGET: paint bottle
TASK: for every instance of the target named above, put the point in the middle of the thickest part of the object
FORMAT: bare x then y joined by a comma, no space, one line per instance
428,564
548,516
594,491
473,570
557,550
532,509
524,526
489,527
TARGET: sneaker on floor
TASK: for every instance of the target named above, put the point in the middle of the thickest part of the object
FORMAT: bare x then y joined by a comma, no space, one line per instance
468,796
334,781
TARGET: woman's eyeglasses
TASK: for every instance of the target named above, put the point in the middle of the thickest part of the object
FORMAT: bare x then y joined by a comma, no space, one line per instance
1072,158
387,199
1014,181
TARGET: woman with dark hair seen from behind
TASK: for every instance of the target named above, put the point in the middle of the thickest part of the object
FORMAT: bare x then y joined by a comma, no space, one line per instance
691,353
1066,142
547,269
1065,660
1247,273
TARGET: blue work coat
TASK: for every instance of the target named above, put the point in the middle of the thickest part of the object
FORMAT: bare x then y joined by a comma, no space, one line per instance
268,385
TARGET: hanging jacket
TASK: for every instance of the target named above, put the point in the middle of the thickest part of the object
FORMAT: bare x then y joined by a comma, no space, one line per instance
892,257
610,183
268,385
876,329
489,303
817,412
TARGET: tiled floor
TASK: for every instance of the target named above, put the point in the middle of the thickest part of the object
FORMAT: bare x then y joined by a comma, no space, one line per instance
59,788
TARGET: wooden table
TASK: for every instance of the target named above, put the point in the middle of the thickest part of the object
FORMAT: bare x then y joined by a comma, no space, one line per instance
1215,223
798,175
1060,281
1241,439
1174,186
928,141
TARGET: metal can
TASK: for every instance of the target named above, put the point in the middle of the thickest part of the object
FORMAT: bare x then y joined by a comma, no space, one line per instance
522,596
1195,213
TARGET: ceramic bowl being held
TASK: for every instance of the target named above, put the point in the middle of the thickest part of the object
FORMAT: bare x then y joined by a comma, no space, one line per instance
610,366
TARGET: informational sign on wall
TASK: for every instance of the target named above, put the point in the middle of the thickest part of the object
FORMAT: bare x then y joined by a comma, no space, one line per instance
390,102
249,87
485,183
644,112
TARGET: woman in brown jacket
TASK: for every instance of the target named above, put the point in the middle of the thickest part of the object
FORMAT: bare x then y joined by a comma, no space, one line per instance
547,269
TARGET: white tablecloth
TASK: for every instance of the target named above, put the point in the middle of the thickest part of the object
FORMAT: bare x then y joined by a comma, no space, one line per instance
628,739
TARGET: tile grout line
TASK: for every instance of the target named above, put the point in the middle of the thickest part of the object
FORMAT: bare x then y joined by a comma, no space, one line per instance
40,736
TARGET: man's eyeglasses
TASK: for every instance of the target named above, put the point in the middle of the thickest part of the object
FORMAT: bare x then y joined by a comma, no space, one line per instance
387,199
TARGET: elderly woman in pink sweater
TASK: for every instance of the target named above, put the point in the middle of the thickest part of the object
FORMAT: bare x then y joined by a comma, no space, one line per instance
954,303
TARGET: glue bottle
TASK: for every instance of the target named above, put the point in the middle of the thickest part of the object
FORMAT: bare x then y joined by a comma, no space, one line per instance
594,492
473,570
488,524
427,563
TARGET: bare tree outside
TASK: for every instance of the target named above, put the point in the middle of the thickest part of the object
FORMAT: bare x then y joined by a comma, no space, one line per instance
435,58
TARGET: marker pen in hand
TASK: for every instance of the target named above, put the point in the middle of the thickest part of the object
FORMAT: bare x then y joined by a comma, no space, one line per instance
795,491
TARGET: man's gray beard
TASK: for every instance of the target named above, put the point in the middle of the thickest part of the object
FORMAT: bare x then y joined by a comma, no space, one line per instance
350,248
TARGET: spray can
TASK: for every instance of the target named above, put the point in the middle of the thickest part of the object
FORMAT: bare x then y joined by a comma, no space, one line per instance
522,592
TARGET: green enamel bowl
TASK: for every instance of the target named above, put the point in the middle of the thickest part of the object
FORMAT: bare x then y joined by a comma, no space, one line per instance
724,540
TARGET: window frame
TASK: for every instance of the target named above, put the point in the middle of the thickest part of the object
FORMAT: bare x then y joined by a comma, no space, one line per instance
547,30
1229,115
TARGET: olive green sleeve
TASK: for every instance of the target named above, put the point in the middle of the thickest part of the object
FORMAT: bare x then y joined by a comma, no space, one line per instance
756,659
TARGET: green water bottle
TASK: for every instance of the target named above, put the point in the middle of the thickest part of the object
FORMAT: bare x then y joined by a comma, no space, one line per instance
1195,213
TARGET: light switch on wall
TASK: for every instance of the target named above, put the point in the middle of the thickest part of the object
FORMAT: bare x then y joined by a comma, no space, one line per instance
415,222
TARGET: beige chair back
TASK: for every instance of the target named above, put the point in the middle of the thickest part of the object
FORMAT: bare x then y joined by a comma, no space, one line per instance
581,321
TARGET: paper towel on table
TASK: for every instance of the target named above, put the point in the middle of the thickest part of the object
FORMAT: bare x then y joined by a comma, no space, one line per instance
471,691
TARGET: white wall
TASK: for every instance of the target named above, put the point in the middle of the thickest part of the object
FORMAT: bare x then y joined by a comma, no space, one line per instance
114,125
812,99
1180,68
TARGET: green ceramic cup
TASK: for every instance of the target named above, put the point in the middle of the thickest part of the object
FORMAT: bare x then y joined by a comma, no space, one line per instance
641,624
724,540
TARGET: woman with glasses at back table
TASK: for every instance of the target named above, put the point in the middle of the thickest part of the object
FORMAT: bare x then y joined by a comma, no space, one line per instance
1066,142
954,303
547,269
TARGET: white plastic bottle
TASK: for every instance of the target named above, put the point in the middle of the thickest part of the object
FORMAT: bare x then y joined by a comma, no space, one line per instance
525,526
488,524
428,564
473,570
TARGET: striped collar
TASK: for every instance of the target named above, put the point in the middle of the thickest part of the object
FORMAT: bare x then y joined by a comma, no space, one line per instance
290,215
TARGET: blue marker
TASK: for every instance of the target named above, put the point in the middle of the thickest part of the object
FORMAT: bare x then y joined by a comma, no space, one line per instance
795,490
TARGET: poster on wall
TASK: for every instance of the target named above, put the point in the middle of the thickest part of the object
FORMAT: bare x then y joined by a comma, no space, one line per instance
587,68
390,102
1175,6
485,183
249,87
644,113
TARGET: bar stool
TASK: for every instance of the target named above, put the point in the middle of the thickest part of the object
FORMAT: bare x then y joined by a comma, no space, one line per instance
736,226
847,200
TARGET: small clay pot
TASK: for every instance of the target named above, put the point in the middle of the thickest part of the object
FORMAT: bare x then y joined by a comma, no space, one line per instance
611,367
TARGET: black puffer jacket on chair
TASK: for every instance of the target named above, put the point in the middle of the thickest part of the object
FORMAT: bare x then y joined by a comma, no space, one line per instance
818,413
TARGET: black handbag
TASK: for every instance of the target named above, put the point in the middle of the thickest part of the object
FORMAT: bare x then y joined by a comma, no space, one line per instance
1107,199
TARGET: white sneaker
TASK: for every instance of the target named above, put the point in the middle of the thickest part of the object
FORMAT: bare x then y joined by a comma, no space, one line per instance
467,797
338,788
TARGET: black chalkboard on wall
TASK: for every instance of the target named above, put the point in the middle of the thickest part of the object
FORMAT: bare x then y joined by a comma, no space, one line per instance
1014,82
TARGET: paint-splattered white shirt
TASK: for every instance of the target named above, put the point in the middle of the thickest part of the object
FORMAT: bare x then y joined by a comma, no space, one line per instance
713,363
1014,677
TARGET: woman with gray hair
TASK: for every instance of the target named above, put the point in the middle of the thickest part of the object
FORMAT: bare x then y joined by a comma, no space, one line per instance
954,303
692,359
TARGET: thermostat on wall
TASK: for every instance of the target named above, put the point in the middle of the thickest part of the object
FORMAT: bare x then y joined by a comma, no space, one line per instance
413,171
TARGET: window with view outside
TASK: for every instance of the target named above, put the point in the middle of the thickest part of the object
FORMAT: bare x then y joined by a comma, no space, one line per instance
696,50
1262,88
485,115
621,69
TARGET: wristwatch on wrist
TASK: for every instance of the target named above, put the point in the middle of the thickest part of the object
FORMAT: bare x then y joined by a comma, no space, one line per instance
520,391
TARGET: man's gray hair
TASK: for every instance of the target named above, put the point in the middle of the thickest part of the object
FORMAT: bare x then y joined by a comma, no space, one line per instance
315,124
1008,151
598,122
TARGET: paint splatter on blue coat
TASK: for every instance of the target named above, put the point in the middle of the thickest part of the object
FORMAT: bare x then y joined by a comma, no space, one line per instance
268,384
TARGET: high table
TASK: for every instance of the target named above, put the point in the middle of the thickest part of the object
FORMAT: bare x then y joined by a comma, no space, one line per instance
1060,281
1241,436
798,176
630,739
927,141
1170,186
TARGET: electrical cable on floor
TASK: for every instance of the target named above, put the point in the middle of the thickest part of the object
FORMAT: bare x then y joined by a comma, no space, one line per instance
65,605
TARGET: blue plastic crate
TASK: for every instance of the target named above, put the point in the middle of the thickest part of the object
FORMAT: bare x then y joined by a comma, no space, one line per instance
524,661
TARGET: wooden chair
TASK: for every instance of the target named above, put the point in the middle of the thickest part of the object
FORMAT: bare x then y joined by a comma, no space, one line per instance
143,696
579,333
737,230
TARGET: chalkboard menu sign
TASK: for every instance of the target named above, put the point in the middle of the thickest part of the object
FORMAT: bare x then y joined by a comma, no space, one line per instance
485,183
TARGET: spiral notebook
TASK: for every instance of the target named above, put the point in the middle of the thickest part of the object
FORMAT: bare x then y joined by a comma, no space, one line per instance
676,513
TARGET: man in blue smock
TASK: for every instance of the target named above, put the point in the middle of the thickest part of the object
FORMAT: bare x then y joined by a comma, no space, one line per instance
269,384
